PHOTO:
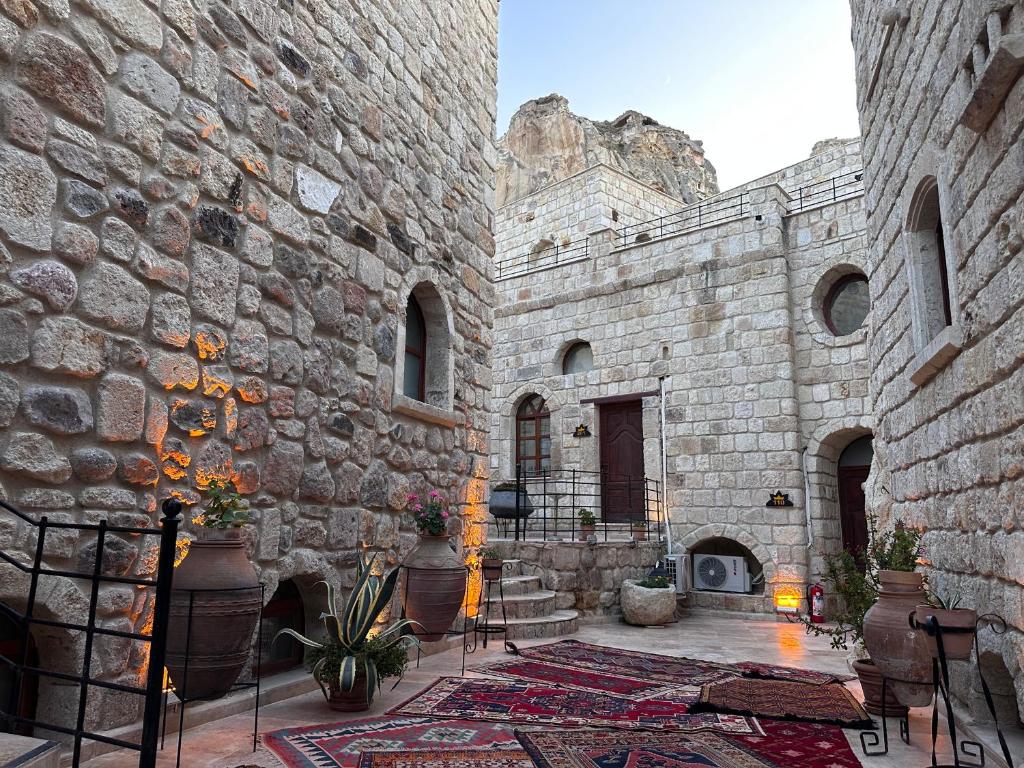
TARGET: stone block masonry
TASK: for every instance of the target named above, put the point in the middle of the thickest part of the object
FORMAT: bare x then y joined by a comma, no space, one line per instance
210,214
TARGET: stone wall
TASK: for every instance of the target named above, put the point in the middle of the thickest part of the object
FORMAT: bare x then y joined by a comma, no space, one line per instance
211,217
941,104
759,396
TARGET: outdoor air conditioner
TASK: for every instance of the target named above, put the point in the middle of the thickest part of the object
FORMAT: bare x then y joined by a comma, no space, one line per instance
678,569
722,573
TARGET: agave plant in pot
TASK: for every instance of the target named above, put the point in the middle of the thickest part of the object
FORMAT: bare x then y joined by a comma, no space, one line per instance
352,659
216,600
956,624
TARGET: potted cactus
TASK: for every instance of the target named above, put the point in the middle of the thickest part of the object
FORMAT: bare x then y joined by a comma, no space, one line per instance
352,660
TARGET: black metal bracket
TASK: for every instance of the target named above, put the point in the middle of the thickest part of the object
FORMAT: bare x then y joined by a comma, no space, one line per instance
483,626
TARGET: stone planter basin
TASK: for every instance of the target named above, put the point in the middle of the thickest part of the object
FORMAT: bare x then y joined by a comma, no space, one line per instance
645,607
502,504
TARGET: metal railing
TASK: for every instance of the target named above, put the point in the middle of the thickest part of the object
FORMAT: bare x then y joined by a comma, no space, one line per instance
83,679
697,216
829,191
622,506
543,258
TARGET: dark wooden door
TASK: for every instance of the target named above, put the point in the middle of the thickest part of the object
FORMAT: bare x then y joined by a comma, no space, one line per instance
851,508
622,462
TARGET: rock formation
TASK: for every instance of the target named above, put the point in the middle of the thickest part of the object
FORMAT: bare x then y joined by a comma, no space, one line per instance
546,143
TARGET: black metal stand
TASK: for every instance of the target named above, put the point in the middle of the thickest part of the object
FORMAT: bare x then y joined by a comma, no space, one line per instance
448,633
483,626
184,701
973,752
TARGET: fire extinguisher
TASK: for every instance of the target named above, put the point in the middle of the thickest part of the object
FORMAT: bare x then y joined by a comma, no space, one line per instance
816,603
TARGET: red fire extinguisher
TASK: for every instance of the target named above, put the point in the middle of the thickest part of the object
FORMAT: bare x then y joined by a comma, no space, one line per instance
816,603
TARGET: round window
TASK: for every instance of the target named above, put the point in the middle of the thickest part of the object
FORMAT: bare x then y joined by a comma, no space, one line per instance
847,305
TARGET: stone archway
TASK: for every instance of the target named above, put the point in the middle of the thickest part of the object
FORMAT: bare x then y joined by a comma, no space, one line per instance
693,538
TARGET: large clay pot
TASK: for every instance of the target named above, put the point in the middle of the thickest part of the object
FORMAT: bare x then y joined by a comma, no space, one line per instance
502,504
350,701
871,683
433,587
957,630
222,622
897,648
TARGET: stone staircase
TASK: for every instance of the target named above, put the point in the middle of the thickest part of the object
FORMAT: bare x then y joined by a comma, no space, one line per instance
531,610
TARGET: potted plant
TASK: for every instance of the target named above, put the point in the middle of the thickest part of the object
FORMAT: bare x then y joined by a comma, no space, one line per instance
492,562
352,660
588,523
957,625
639,529
435,576
650,602
509,500
215,627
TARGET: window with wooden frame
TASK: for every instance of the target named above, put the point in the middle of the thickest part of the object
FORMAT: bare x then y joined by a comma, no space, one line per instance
284,611
533,436
415,373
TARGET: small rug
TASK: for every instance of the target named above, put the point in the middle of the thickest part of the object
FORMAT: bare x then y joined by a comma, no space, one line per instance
338,745
775,672
784,700
609,749
446,758
807,745
652,667
531,703
578,679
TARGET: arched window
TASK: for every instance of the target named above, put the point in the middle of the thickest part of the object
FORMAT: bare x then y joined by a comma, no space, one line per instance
579,358
415,373
931,290
847,304
533,436
284,611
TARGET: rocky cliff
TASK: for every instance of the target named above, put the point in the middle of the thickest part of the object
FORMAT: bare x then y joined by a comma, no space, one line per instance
546,142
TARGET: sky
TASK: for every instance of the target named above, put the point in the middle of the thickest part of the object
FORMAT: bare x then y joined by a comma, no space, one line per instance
758,81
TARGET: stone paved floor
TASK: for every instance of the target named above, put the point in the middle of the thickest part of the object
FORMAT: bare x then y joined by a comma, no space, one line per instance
227,743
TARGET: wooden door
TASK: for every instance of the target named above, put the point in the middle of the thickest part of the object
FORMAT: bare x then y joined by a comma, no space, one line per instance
852,508
622,462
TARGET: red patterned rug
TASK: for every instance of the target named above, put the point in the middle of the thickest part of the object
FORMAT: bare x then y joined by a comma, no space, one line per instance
783,700
338,745
807,745
636,749
447,758
531,703
551,673
652,667
776,672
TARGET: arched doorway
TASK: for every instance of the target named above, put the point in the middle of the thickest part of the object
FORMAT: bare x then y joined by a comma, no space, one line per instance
27,694
284,611
854,467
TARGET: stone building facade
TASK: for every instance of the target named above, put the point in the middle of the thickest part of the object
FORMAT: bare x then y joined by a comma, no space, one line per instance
942,107
212,218
710,324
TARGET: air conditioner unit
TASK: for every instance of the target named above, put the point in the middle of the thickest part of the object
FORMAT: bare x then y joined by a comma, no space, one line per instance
678,568
722,573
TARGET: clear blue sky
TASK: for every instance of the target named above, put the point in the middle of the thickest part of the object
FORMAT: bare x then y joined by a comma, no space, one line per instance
758,81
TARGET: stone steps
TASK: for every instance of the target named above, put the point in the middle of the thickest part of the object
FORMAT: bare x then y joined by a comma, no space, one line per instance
530,605
531,610
555,624
517,585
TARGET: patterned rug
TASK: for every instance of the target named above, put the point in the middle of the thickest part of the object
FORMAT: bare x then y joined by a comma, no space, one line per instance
652,667
622,749
776,672
447,758
530,703
807,745
551,673
784,700
337,745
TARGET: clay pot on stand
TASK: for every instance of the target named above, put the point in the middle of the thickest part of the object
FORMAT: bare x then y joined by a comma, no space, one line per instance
492,568
222,622
871,684
898,650
433,587
956,641
349,701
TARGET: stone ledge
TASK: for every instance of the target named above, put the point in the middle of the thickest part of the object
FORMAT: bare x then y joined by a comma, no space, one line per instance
1002,69
422,411
939,352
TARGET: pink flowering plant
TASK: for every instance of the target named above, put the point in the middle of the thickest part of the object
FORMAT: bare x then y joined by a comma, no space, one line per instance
431,513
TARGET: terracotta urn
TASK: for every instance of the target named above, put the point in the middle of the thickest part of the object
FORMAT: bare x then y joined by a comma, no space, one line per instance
222,622
957,626
898,649
350,701
433,586
871,684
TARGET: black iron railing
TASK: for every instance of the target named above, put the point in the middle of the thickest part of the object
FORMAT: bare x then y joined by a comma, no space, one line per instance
541,258
829,191
697,216
93,578
622,506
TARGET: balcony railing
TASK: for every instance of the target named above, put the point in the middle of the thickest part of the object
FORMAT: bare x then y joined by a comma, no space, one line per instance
623,506
693,217
829,191
543,258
